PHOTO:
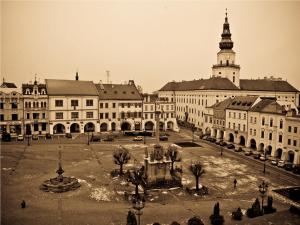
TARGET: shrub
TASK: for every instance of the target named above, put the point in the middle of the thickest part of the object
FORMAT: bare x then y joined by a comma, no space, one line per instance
237,215
216,218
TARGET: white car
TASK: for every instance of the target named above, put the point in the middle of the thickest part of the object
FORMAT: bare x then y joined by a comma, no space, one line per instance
138,138
20,137
280,163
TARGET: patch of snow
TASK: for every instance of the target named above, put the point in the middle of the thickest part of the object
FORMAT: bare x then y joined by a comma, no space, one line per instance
100,194
86,149
5,169
85,182
91,177
120,192
124,183
165,192
185,181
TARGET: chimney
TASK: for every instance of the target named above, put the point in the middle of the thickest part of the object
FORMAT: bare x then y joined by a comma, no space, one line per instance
131,82
76,77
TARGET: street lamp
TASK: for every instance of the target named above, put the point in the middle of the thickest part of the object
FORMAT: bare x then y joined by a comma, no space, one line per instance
193,130
138,204
263,188
265,161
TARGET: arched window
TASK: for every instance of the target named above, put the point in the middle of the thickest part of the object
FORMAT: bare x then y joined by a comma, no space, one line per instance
227,62
281,124
233,79
263,121
33,104
27,92
221,62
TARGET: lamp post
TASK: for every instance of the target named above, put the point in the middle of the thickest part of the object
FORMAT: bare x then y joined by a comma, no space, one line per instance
264,161
88,142
263,188
138,205
193,130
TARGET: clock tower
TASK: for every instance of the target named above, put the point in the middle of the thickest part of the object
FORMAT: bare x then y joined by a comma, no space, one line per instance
226,66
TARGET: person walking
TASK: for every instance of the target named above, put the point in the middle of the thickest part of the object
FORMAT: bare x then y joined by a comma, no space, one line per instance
234,183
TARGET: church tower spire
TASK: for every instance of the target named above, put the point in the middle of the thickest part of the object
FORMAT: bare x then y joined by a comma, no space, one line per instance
226,66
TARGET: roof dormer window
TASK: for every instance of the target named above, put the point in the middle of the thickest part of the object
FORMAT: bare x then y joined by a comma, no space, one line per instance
27,92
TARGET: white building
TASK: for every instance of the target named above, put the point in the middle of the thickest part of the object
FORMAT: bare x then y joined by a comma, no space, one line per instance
192,97
73,106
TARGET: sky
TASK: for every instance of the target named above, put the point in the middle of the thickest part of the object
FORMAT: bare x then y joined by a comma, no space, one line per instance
151,42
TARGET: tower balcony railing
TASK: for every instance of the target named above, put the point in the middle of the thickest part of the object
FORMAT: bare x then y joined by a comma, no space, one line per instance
226,65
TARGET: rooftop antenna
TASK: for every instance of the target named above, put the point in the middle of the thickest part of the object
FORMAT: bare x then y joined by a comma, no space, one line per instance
107,76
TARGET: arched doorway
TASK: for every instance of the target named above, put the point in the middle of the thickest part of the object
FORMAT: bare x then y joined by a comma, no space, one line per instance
113,126
290,156
242,140
207,131
137,126
221,134
214,133
89,127
75,128
231,137
125,126
253,144
278,153
269,150
170,125
59,129
149,125
161,126
103,127
261,147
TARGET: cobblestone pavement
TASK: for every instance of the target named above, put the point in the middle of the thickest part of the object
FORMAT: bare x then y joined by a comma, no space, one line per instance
100,199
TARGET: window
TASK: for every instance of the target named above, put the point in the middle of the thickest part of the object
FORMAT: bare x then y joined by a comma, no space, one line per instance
146,116
295,143
59,115
44,126
58,103
14,105
239,115
89,102
271,122
234,115
233,79
254,120
270,136
114,115
89,115
229,114
229,125
295,130
106,115
35,115
74,102
44,115
114,105
254,133
250,131
14,116
262,134
280,138
251,119
35,126
28,116
1,117
244,127
101,105
289,129
263,121
281,124
1,105
289,141
74,115
101,115
239,126
106,105
233,125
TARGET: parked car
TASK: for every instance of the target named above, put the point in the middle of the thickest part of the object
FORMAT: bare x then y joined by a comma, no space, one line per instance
205,137
296,169
248,152
138,138
281,163
288,166
108,138
163,138
239,149
212,140
20,137
35,137
48,136
274,162
262,158
68,135
6,137
230,146
95,138
218,142
223,143
256,155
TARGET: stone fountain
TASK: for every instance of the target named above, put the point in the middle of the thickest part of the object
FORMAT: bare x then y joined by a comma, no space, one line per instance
60,183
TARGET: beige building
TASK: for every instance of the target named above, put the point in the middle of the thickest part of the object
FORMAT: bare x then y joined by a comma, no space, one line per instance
35,108
11,109
167,120
73,106
291,150
192,97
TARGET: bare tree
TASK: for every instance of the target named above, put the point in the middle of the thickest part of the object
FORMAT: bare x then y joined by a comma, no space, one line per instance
121,156
136,178
197,170
174,156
